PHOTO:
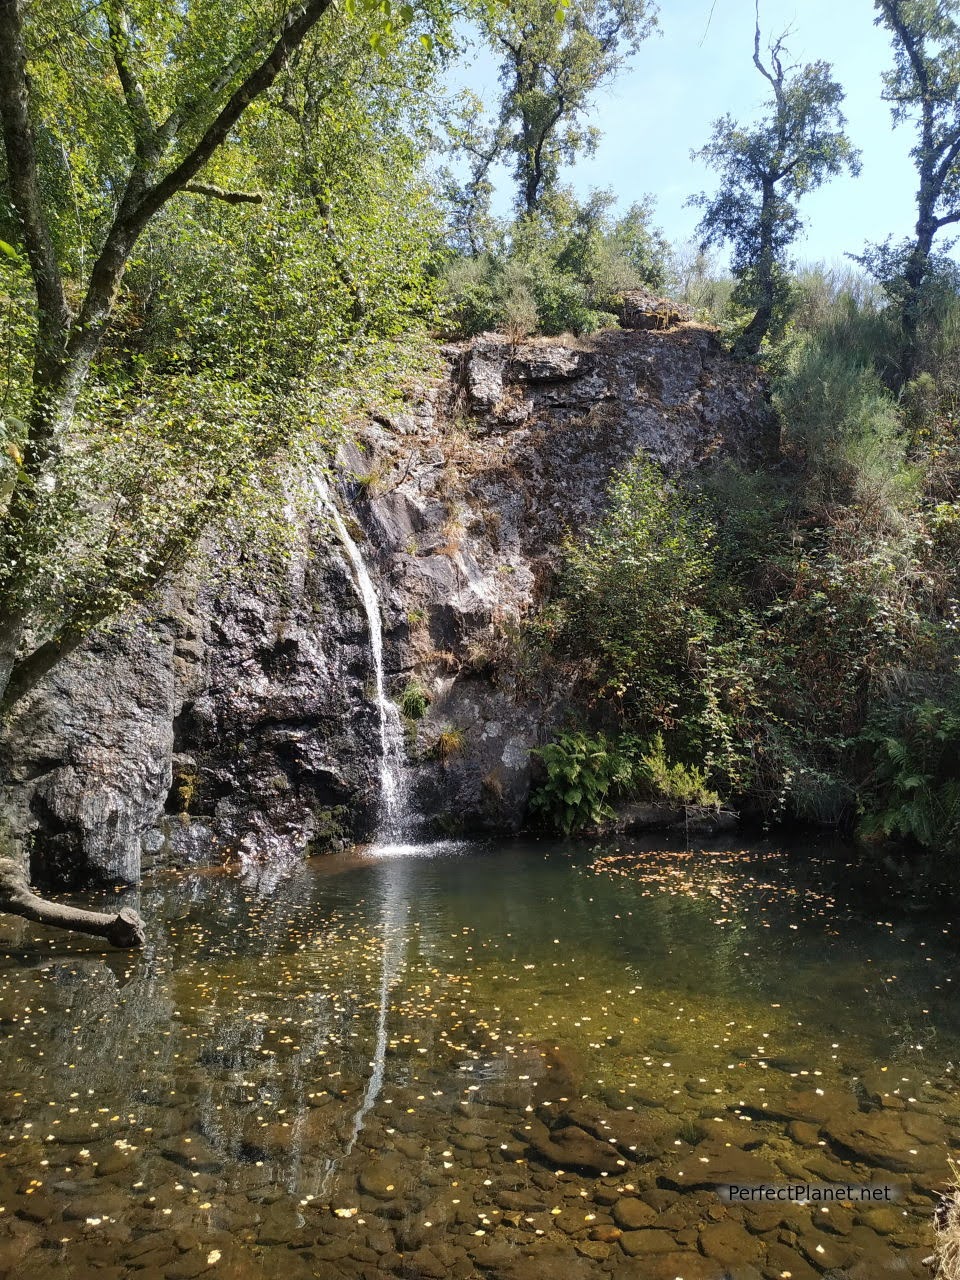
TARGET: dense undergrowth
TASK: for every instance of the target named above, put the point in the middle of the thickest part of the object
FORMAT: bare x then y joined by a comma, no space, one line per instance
786,638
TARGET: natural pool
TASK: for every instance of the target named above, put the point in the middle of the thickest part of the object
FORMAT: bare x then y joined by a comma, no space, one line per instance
501,1061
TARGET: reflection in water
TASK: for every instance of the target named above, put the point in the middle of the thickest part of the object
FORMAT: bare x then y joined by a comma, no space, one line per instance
483,1050
394,880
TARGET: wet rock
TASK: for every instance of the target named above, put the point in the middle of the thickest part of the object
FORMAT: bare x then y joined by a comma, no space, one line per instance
232,717
194,1154
383,1179
523,1201
714,1165
573,1148
639,1243
607,1233
573,1221
594,1249
632,1214
636,1134
729,1244
423,1262
879,1138
278,1223
884,1220
803,1134
782,1258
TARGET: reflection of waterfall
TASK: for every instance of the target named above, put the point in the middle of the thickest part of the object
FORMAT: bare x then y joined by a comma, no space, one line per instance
394,810
395,908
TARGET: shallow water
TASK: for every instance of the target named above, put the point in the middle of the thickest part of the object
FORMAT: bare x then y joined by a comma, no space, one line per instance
509,1060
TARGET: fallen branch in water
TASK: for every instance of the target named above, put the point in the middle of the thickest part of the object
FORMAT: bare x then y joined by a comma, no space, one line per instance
125,929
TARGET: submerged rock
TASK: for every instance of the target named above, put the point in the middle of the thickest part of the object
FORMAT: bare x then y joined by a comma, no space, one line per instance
573,1148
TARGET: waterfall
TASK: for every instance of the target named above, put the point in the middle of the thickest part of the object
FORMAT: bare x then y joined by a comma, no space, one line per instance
394,817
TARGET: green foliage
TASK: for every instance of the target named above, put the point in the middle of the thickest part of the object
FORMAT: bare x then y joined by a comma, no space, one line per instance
549,71
585,772
414,701
243,330
923,88
764,171
633,596
581,771
840,422
671,780
757,626
914,789
560,271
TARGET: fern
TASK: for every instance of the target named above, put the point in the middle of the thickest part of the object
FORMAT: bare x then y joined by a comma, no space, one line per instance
914,789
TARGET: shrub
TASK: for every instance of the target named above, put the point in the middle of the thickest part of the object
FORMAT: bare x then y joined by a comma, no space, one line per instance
449,743
670,780
558,272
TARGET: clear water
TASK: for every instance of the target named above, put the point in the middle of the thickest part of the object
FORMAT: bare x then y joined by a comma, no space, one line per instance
398,1065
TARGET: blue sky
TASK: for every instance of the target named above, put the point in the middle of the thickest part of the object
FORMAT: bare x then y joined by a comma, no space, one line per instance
698,68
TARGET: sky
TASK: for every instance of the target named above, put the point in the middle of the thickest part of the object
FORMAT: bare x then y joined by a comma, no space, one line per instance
663,103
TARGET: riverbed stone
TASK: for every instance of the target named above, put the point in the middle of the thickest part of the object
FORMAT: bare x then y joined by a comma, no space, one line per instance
715,1165
729,1244
879,1138
384,1179
574,1148
639,1243
633,1214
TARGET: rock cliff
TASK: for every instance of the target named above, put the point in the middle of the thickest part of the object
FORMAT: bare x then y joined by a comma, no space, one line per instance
234,718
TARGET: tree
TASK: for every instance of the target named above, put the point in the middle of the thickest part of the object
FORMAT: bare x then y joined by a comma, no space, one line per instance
794,148
478,144
144,120
553,62
212,217
923,86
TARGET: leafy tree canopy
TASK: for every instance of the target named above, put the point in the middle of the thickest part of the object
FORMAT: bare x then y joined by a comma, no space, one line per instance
214,217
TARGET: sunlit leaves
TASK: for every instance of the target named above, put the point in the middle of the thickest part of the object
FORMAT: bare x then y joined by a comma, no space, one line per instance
237,329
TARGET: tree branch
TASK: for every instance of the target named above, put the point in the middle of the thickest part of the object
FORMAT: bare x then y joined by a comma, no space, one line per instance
125,929
23,179
140,202
27,673
949,158
891,9
218,193
144,131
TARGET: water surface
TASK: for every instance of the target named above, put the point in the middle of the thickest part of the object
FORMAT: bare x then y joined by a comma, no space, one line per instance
507,1060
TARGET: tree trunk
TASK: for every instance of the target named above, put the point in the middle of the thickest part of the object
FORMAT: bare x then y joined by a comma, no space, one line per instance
125,929
750,341
915,277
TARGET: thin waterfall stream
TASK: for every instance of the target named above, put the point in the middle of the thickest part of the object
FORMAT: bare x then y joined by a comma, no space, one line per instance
394,818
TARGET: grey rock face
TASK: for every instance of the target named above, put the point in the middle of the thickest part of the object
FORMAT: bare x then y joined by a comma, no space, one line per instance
86,760
236,720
